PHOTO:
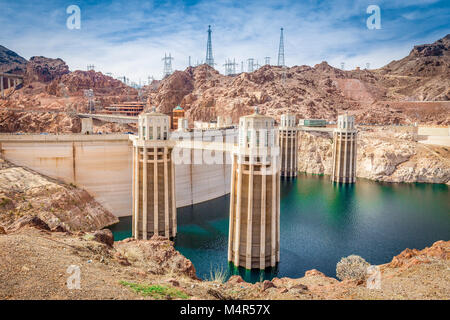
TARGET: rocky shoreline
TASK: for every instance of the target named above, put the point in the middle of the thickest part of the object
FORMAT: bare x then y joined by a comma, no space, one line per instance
25,194
383,155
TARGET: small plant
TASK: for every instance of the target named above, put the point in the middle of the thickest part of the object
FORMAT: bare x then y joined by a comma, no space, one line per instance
5,202
218,274
352,267
155,291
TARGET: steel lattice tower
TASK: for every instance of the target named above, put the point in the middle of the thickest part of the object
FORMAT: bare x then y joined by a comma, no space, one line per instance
281,50
209,55
167,65
251,65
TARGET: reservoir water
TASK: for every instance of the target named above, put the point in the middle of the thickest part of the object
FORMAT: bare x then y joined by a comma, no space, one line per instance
321,222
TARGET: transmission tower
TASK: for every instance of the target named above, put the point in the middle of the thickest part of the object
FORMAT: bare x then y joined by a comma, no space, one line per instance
281,50
90,95
227,66
189,61
167,65
209,55
251,65
257,65
230,67
242,66
367,65
342,65
267,61
90,67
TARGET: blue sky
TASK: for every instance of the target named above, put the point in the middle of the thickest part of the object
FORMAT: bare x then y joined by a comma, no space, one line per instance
130,37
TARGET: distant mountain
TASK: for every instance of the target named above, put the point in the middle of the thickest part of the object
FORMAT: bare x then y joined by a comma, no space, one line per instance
11,62
423,75
424,60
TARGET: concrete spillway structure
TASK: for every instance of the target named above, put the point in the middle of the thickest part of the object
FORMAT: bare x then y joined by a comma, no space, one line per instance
154,206
288,135
254,234
344,150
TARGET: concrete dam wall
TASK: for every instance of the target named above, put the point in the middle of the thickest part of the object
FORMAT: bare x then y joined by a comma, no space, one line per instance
102,165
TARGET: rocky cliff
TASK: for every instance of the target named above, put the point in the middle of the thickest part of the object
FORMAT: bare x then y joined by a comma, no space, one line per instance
383,155
42,69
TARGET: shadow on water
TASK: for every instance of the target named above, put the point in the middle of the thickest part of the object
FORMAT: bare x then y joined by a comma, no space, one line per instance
321,222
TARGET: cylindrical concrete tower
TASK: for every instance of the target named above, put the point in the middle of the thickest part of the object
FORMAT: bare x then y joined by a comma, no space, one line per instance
344,150
154,210
288,135
254,234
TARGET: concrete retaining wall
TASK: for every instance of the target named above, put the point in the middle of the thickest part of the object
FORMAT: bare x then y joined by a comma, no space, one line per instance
434,131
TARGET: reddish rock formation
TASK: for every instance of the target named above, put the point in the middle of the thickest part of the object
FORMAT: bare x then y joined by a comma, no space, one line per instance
314,273
315,92
50,122
28,198
424,60
42,69
157,255
29,221
73,84
104,236
439,250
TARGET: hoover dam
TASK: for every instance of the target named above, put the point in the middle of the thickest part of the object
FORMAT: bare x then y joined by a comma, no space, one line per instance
102,165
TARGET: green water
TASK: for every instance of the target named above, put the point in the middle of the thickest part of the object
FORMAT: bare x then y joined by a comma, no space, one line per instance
320,223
